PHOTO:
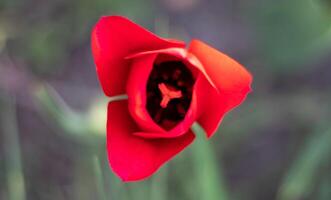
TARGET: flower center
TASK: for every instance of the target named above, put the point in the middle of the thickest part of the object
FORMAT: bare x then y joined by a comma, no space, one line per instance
169,93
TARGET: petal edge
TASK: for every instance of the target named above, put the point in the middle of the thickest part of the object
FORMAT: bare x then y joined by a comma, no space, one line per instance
112,39
134,158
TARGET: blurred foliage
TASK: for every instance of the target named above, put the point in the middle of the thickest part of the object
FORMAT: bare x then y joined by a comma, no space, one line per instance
52,123
306,169
80,127
50,30
12,150
292,33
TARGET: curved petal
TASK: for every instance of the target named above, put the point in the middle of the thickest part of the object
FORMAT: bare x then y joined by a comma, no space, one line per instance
179,129
226,73
134,158
136,90
232,80
213,105
115,37
181,54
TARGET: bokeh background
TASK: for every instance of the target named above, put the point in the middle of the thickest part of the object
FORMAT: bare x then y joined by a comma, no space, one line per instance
277,145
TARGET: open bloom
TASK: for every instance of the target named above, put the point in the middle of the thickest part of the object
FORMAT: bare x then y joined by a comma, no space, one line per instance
169,87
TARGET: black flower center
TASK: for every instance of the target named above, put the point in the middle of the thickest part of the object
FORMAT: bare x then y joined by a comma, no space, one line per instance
169,93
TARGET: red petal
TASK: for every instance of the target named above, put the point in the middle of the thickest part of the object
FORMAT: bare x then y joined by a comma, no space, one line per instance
179,53
232,82
115,37
213,105
226,73
136,90
134,158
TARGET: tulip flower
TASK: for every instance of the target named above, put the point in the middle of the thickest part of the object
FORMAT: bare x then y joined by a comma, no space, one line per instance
169,87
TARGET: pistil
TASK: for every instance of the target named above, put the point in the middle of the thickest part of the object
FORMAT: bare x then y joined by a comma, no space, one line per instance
168,93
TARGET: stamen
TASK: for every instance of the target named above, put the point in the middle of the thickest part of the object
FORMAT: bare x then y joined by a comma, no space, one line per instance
168,93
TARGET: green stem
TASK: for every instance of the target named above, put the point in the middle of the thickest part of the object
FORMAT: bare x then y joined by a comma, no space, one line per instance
159,183
209,174
303,173
12,150
98,177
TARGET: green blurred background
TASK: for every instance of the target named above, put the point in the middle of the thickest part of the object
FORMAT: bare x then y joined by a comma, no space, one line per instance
277,145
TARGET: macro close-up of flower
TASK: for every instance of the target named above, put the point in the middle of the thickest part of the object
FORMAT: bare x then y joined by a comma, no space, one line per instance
169,87
165,100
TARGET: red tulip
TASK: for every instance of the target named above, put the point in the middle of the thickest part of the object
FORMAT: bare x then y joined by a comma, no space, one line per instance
169,87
